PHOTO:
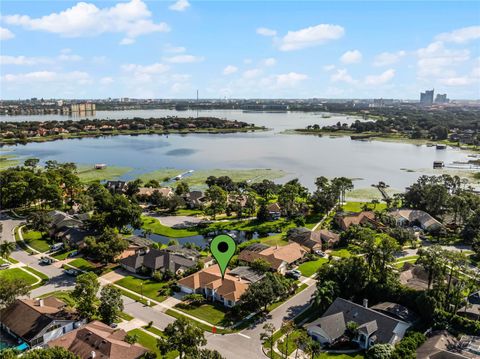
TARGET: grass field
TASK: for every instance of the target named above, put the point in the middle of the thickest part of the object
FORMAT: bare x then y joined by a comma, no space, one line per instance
207,312
89,174
7,161
156,227
204,327
310,268
150,342
197,178
34,239
357,206
342,253
17,273
61,255
82,264
149,288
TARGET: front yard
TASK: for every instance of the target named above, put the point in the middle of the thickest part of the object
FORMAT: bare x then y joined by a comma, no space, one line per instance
36,240
81,264
149,288
311,267
17,273
150,343
214,314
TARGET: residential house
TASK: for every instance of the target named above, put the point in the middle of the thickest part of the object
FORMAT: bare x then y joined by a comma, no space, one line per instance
279,257
209,282
413,217
148,191
38,321
443,345
471,310
195,199
116,186
414,277
158,260
345,219
396,311
97,340
329,238
373,327
68,228
59,220
274,211
136,245
309,240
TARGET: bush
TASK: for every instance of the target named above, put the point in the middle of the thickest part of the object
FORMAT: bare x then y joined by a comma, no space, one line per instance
459,324
380,351
407,347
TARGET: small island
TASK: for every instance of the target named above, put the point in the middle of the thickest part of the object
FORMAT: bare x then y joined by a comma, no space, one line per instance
37,131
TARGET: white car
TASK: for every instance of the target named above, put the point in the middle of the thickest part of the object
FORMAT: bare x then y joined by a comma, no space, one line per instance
4,266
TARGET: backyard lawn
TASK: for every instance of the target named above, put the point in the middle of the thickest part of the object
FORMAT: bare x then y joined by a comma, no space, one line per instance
342,253
149,288
156,227
311,267
150,343
207,312
34,239
17,273
357,206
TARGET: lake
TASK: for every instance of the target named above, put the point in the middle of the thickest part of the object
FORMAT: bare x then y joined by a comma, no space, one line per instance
303,156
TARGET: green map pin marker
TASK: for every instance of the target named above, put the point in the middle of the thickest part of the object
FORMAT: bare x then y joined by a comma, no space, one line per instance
223,248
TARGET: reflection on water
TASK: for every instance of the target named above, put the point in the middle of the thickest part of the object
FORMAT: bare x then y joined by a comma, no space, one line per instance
302,156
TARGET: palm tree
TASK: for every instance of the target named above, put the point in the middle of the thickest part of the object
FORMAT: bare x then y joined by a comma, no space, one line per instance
324,294
6,248
267,336
287,328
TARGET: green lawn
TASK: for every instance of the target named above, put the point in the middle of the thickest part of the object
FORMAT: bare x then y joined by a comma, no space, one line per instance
357,206
276,239
44,277
87,173
154,330
125,316
61,255
204,327
17,273
82,264
3,261
156,227
150,343
7,161
342,253
310,268
135,297
148,287
35,240
210,313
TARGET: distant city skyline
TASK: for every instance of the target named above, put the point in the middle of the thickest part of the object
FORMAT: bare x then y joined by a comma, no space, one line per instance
169,49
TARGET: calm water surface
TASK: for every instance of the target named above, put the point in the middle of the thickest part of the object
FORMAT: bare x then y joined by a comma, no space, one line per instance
305,157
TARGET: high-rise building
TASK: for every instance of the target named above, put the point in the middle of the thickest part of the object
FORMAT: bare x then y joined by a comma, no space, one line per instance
426,98
441,98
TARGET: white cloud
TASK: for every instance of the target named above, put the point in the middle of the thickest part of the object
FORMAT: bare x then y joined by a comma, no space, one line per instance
105,81
381,79
290,79
145,73
230,69
329,67
456,81
174,49
388,58
247,61
79,77
310,36
184,59
253,73
65,56
436,60
180,5
460,36
270,61
99,60
131,19
351,57
6,34
266,31
342,75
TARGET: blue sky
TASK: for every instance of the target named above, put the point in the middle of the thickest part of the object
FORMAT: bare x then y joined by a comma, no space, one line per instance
227,49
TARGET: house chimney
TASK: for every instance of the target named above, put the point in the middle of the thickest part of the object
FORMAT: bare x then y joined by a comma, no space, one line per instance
365,303
93,354
40,302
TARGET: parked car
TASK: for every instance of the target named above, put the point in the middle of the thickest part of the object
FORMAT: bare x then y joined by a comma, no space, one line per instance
72,272
4,266
318,252
55,247
46,260
73,254
294,273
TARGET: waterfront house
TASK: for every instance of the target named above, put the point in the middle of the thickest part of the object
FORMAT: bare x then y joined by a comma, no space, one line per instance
274,211
373,327
116,186
279,257
345,219
309,240
38,321
158,260
329,239
209,282
195,199
414,217
97,340
148,191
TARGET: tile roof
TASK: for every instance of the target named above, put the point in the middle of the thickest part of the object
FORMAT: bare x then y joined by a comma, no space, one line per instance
274,255
413,215
230,288
97,337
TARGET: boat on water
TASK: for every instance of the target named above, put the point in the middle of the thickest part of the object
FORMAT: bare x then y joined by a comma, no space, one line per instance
441,146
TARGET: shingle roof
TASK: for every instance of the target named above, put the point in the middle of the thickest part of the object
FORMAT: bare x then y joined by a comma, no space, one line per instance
332,325
274,255
247,273
306,238
413,215
106,342
27,318
156,259
364,317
